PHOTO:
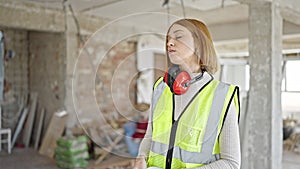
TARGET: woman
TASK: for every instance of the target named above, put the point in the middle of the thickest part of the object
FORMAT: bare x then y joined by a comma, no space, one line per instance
193,121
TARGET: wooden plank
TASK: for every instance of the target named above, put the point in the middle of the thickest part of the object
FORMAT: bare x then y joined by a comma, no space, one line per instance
54,131
39,130
115,161
19,126
109,148
98,151
94,135
30,119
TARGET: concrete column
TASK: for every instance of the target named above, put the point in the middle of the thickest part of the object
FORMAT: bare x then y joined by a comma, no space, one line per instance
262,144
71,56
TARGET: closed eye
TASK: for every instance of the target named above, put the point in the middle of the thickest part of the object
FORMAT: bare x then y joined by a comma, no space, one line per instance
178,37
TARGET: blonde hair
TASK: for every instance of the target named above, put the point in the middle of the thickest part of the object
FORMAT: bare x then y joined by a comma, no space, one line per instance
204,47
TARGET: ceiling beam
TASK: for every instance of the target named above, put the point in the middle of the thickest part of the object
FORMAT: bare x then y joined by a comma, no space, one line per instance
290,15
100,6
229,31
33,17
253,1
239,30
289,9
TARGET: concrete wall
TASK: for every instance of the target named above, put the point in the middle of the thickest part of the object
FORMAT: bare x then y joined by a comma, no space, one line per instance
47,70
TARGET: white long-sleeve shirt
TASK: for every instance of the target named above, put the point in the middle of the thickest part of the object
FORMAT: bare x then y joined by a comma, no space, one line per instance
229,137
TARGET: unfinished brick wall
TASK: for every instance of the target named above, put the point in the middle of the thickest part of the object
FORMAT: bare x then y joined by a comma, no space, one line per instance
40,66
15,73
118,73
114,88
47,70
16,68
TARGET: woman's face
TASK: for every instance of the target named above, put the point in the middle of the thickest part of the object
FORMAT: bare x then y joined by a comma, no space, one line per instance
180,45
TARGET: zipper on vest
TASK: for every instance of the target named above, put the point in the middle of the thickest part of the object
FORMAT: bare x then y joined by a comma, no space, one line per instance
172,137
175,125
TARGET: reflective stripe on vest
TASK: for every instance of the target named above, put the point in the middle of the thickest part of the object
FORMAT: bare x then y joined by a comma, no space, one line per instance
159,87
185,156
212,129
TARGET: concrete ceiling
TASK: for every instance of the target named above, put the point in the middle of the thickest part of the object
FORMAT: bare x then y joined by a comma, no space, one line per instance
227,19
210,11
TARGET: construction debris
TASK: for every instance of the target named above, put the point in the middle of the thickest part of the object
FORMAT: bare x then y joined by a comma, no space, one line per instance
292,143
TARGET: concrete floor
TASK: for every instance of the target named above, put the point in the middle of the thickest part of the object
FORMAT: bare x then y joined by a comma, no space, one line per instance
25,158
30,159
290,160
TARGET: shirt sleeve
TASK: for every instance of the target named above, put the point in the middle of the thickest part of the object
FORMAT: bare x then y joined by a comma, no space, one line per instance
229,144
146,142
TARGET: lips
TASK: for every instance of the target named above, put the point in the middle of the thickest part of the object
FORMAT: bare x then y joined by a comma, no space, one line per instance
171,51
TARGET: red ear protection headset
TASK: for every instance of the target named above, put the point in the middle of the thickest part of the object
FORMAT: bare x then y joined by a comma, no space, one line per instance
179,81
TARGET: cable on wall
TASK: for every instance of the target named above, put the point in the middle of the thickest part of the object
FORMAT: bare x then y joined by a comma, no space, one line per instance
166,3
48,1
80,37
183,8
65,13
222,3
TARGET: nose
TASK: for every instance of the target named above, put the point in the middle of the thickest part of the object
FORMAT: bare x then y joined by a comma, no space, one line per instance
171,43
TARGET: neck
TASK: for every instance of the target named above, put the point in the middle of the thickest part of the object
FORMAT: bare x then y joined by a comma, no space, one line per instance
190,68
191,65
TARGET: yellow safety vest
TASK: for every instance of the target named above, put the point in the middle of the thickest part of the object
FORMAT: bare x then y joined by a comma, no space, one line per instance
192,140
